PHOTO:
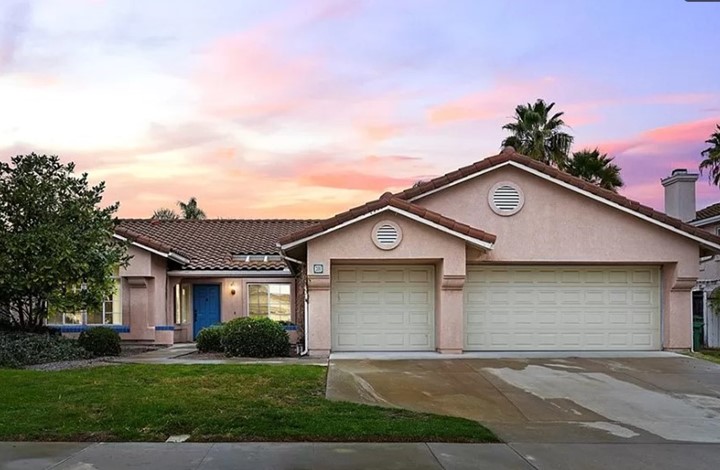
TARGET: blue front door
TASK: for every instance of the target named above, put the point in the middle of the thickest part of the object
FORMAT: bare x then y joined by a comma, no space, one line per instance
206,306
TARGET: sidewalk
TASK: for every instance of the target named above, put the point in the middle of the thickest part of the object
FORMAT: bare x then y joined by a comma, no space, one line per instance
183,354
341,456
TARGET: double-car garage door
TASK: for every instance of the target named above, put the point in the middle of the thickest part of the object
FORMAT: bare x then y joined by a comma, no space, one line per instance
521,308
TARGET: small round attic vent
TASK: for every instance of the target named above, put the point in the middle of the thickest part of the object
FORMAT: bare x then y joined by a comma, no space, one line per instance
506,198
386,235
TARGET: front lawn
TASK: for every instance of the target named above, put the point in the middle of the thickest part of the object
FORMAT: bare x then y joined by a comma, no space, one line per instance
210,403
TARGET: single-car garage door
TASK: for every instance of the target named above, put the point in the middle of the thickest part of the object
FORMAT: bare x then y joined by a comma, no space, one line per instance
383,308
562,308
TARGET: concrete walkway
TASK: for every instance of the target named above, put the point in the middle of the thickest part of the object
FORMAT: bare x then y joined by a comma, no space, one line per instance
340,456
185,354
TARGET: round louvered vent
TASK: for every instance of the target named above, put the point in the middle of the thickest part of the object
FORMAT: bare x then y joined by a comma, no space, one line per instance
506,198
386,235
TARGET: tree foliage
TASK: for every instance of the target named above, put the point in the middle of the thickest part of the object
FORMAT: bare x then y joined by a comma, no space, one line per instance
596,168
711,155
190,209
165,214
56,241
539,133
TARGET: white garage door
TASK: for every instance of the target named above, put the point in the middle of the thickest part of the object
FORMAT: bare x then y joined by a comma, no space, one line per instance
383,308
562,308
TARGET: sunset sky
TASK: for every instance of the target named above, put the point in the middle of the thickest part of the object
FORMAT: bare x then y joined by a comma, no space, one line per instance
300,109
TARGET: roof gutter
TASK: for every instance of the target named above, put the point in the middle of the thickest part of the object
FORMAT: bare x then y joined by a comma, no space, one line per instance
703,222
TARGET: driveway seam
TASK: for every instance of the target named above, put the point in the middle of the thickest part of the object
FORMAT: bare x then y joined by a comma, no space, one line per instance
73,455
522,456
434,456
202,460
505,396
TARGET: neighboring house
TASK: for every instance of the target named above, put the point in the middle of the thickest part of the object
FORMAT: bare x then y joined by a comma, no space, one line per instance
708,219
504,254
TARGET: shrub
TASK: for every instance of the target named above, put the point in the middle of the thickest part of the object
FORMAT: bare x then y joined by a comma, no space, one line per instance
210,339
24,349
100,341
255,337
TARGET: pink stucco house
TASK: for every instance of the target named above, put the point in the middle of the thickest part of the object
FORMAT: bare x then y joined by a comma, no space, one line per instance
505,254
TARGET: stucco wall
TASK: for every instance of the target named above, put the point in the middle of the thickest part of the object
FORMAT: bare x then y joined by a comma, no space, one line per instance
420,244
710,268
555,226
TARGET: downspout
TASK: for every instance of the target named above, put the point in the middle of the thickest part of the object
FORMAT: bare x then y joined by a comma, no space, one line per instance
306,299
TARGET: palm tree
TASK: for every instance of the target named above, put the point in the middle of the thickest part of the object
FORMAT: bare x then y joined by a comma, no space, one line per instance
712,158
539,134
165,214
596,168
190,209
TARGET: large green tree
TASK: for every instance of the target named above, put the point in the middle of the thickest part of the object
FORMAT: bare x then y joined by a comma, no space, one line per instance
190,209
711,156
596,168
56,241
538,132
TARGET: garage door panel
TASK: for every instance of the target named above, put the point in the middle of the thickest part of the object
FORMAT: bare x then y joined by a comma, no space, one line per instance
568,308
391,308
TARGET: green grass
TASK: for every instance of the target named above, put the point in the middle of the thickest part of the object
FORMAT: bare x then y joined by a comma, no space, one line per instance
210,403
712,355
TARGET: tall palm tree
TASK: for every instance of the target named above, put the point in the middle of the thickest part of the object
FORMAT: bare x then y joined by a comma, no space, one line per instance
596,168
538,133
712,158
165,214
190,209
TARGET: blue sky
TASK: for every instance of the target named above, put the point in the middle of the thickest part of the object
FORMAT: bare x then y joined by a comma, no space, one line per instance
305,108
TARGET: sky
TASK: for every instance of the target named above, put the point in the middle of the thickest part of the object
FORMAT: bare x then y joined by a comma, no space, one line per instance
305,108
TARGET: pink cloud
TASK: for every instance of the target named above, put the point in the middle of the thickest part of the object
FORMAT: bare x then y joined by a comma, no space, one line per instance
652,155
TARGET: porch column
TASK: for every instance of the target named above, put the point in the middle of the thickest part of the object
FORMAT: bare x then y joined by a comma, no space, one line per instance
450,321
319,315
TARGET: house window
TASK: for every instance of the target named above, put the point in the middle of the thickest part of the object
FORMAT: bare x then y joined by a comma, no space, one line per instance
182,303
269,300
109,313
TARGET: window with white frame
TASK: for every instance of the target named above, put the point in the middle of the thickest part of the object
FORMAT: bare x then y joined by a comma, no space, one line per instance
109,313
182,303
269,300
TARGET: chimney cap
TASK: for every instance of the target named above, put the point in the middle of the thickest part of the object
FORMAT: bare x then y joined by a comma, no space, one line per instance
679,175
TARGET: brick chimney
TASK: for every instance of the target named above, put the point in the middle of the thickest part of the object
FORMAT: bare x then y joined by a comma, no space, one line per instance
680,194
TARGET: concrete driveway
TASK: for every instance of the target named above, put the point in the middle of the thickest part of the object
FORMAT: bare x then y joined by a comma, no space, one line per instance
660,398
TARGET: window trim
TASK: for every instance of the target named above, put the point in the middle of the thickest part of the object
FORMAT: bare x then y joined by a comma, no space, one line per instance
247,296
84,312
189,318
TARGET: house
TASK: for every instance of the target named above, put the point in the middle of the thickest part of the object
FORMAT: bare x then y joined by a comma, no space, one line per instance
185,275
680,202
504,254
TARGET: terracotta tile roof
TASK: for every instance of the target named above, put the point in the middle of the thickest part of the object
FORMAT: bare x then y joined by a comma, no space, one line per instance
210,244
507,155
707,212
385,200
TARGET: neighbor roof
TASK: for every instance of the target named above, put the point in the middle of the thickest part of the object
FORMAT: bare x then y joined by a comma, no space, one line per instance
210,244
708,212
510,156
387,200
